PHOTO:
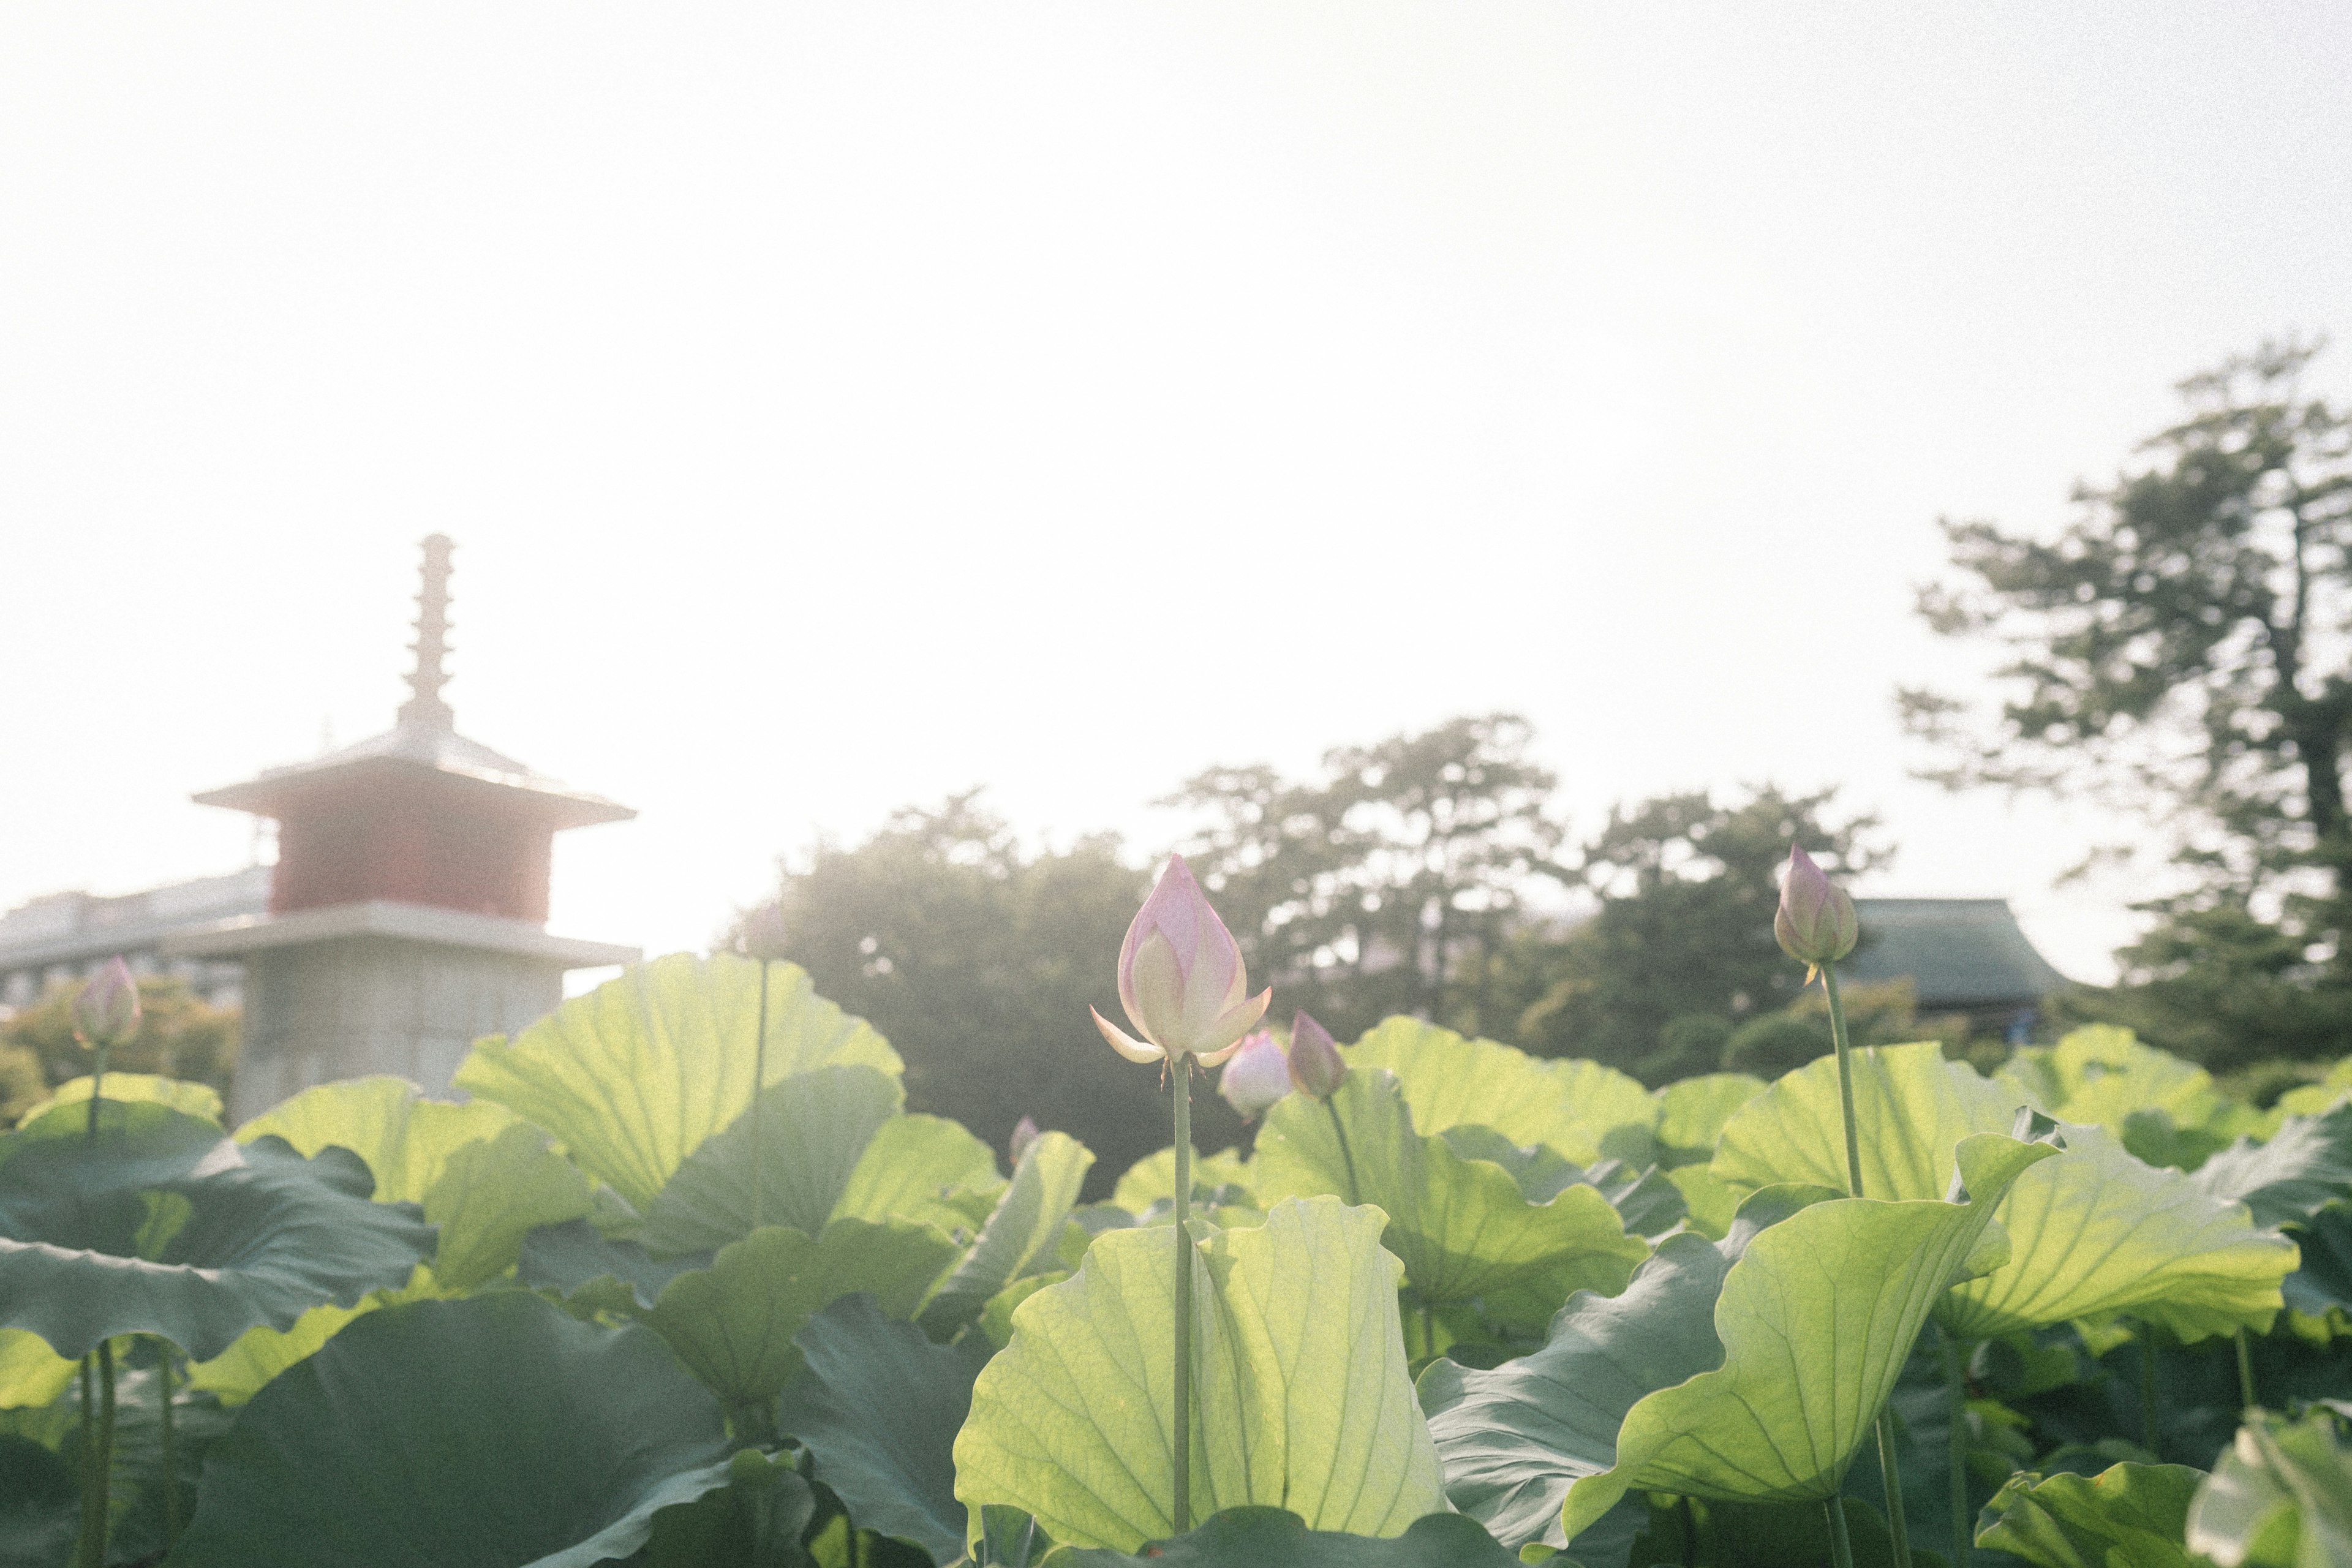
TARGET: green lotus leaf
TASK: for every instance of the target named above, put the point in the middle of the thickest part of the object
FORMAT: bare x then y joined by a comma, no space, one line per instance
1276,1538
1647,1199
31,1373
165,1226
2321,1287
801,1141
760,1519
495,1432
490,1194
879,1406
1021,1235
2101,1074
913,1163
1449,1081
732,1324
405,1138
2127,1516
2311,1099
1745,1371
2305,1166
144,1089
40,1505
1710,1200
2093,1233
242,1371
1462,1225
575,1259
1693,1111
1152,1179
2280,1497
1299,1387
634,1076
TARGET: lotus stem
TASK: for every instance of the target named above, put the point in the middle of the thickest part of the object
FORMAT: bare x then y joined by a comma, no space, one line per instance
1840,1543
1956,1382
1888,1470
2247,1402
759,1121
97,1085
1690,1533
2148,1432
171,1459
1346,1157
1181,1512
90,1552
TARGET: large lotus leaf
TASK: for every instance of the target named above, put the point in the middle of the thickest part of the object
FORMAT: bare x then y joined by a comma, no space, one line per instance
1752,1380
1152,1179
634,1076
490,1433
2127,1516
576,1260
879,1406
1021,1233
405,1138
2311,1099
2321,1289
1645,1198
2093,1234
195,1099
165,1226
911,1166
491,1194
2101,1074
786,1161
40,1505
760,1518
1461,1226
1299,1389
31,1373
242,1371
2305,1166
1276,1538
1572,1106
732,1324
2279,1497
1692,1112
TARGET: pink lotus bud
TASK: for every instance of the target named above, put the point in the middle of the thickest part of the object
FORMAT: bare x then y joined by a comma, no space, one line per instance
1024,1132
1815,923
1316,1066
1181,979
763,932
1258,1075
105,1013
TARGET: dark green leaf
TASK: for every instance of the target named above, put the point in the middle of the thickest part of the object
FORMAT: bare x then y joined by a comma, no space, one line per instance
1272,1538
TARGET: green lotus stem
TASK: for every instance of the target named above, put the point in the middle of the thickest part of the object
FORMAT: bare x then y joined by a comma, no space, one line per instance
759,1121
1956,1383
1182,1511
1347,1157
2147,1423
1840,1543
1888,1471
90,1552
171,1461
2245,1375
88,1444
96,1084
1690,1533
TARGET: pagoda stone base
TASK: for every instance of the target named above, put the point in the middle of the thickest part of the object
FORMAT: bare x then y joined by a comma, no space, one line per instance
377,1005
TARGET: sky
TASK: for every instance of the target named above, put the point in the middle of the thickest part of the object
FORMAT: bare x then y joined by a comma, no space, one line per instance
839,407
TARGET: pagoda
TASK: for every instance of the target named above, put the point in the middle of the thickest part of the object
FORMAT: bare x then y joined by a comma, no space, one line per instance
408,908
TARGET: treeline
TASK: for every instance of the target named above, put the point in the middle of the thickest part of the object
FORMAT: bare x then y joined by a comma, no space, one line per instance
1431,873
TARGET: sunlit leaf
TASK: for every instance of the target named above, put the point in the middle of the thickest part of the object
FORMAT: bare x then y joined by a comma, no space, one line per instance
165,1226
1745,1371
910,1165
494,1432
803,1139
491,1194
1022,1232
1152,1179
1461,1226
634,1076
2279,1497
2100,1074
1449,1081
2093,1233
239,1373
405,1138
31,1373
2127,1516
1299,1387
2305,1166
1692,1112
145,1089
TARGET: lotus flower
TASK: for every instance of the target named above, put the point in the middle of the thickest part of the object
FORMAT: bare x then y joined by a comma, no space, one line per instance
1316,1066
1181,979
1024,1132
105,1013
1815,923
1256,1077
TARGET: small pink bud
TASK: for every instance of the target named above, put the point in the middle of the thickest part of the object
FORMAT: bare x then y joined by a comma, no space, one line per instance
1181,978
1024,1132
1815,923
763,932
1316,1065
1256,1076
105,1013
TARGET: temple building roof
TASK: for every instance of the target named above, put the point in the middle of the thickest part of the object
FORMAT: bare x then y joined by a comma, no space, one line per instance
1960,953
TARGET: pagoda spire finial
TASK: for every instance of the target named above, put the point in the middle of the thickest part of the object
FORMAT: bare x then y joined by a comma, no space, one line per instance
425,708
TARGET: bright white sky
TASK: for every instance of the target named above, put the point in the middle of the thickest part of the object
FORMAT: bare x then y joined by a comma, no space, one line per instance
838,405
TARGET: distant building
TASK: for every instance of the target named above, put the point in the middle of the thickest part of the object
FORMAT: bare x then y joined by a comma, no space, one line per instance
1963,955
60,936
407,912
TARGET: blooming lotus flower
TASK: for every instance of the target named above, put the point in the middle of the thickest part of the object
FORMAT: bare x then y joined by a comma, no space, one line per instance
1024,1132
1316,1066
105,1013
1256,1077
1815,923
1181,979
